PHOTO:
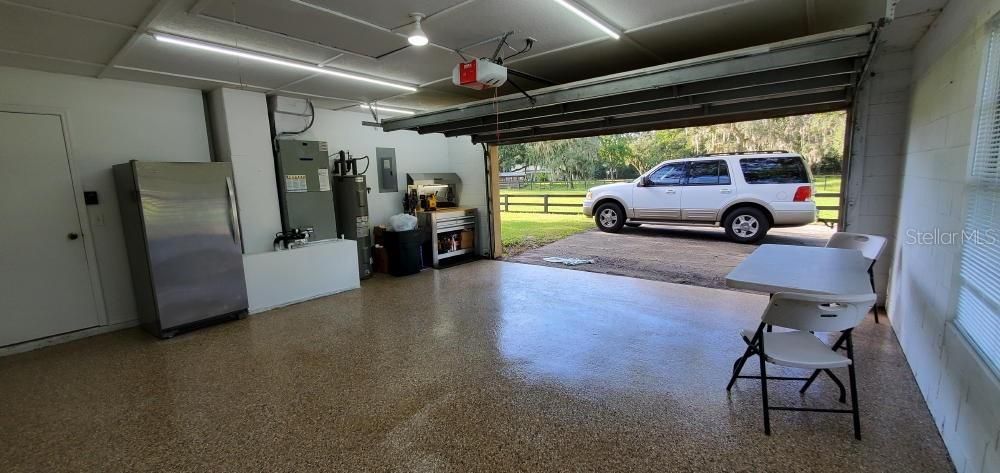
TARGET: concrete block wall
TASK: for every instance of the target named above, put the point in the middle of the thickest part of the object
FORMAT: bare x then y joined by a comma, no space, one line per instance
962,393
878,144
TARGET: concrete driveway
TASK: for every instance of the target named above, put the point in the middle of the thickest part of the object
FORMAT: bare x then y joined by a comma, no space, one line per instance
699,256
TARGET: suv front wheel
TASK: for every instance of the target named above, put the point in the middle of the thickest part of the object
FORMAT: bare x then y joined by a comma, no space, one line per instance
609,217
746,225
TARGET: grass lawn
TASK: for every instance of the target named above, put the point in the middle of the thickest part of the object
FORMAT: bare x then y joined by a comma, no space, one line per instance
520,232
827,183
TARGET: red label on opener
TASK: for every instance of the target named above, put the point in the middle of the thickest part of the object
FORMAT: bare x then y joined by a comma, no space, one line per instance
467,72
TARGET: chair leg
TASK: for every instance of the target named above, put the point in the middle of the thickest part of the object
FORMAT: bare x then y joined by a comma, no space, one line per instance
741,361
843,395
855,412
763,387
836,346
738,367
809,382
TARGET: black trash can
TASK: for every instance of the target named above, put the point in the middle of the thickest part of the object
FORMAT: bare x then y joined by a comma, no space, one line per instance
403,249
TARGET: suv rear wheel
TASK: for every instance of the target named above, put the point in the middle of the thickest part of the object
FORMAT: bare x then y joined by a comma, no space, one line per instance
746,225
609,217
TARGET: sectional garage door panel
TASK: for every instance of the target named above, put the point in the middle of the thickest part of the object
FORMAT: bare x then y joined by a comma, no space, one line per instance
812,74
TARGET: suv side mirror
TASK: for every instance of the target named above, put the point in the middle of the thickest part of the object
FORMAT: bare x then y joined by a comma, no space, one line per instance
645,182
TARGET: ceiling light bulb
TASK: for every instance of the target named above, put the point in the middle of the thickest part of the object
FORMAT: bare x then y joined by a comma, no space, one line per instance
417,36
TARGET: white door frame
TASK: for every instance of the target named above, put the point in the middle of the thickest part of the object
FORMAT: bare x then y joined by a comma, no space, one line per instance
81,208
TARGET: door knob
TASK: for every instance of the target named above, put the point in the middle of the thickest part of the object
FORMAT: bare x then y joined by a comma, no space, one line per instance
73,236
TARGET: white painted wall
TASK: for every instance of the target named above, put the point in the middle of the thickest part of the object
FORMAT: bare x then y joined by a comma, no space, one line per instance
112,122
241,134
415,153
280,278
468,161
274,278
962,393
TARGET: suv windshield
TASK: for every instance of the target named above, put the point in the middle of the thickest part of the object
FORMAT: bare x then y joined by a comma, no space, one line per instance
776,170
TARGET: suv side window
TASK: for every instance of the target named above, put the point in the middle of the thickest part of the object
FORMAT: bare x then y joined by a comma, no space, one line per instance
708,173
724,179
776,170
668,175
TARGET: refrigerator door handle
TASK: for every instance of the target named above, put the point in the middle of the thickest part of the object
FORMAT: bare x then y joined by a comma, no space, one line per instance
234,220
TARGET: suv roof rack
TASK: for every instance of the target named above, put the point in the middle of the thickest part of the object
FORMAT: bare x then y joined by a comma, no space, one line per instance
770,151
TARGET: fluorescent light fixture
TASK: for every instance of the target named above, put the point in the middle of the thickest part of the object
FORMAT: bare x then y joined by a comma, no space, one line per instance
590,19
273,60
387,109
417,36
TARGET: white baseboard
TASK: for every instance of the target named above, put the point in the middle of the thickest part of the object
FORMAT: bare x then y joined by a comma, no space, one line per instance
66,337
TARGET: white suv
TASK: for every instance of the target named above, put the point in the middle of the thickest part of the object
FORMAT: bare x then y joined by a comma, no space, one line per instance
747,193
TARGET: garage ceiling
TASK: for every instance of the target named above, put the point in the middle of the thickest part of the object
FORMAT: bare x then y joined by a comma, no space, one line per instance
110,39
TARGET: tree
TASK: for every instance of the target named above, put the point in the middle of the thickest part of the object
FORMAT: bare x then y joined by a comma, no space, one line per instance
814,136
616,150
818,137
827,165
569,159
650,149
513,157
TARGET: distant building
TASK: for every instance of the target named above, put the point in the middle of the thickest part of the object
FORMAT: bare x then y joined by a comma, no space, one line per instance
519,177
513,178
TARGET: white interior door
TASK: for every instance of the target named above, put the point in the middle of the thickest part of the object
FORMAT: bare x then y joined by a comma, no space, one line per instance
45,286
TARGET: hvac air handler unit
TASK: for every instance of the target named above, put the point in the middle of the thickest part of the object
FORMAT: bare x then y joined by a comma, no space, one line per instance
305,197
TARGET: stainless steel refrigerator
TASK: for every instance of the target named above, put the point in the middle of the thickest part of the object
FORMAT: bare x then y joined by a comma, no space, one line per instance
182,235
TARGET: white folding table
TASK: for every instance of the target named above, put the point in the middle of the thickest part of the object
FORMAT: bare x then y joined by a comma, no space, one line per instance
808,269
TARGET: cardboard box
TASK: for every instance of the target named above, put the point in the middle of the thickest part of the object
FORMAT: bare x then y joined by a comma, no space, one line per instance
467,240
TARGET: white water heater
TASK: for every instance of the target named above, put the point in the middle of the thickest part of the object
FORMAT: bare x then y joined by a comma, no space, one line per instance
479,74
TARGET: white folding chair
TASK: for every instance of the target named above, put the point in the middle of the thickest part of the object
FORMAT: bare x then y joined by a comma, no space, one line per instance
870,246
800,348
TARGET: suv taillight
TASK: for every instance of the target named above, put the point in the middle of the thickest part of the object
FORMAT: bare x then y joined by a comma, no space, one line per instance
803,193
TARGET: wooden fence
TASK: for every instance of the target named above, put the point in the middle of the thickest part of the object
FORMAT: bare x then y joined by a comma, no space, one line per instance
545,204
829,221
513,183
548,207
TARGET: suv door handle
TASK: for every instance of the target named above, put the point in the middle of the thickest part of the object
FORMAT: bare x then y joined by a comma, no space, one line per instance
671,191
726,191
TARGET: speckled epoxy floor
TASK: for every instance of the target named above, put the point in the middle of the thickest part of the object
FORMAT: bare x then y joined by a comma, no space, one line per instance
488,366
